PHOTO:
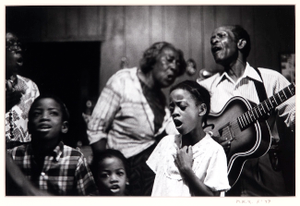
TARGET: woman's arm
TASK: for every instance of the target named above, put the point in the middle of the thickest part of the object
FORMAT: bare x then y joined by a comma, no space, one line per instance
99,146
99,123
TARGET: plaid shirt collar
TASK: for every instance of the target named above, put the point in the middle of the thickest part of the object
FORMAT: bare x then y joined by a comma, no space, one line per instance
58,150
56,153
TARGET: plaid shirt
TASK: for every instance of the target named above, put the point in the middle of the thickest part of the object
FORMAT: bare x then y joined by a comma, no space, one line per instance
65,172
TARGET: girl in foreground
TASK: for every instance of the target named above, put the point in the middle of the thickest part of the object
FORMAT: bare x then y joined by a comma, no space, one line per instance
190,163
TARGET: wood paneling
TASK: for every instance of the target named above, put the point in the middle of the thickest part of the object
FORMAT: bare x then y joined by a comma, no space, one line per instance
267,37
177,26
222,17
137,35
248,24
196,37
113,48
72,17
157,24
129,30
88,21
209,24
56,22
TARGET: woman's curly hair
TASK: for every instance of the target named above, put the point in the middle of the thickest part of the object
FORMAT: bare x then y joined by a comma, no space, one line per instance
151,54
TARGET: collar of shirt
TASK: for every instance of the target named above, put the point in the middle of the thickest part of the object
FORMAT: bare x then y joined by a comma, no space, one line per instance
178,144
249,72
58,150
56,153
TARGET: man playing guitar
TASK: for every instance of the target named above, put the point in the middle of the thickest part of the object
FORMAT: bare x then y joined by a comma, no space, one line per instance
241,84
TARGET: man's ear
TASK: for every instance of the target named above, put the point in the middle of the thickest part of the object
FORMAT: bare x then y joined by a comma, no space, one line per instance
65,127
241,43
202,109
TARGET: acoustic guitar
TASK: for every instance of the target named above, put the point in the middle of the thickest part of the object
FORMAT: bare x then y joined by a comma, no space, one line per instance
244,125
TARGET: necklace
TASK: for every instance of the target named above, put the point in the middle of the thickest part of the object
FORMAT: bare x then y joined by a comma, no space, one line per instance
11,124
10,85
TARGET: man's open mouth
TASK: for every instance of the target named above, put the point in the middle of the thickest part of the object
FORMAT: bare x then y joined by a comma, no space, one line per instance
216,49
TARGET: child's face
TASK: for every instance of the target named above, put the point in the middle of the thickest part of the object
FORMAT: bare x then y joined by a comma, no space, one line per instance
112,176
184,111
46,121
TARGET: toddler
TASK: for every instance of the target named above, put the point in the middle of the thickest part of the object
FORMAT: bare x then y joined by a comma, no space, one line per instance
110,170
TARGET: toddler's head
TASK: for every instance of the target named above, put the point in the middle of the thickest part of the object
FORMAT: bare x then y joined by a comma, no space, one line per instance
48,119
189,102
110,170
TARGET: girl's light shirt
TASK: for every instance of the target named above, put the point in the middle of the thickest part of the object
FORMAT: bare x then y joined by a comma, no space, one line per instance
210,166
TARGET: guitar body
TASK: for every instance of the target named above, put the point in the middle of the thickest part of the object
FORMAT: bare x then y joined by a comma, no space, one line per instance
251,142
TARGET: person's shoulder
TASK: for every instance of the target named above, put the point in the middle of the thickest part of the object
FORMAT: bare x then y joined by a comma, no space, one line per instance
168,139
121,76
209,81
27,81
72,152
273,78
125,73
213,142
18,150
269,72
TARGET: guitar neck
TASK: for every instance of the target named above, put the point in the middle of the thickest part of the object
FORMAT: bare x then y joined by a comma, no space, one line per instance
265,107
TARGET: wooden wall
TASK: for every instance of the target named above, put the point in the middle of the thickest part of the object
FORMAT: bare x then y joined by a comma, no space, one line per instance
126,31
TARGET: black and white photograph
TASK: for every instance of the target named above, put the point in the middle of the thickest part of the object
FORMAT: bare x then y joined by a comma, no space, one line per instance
150,101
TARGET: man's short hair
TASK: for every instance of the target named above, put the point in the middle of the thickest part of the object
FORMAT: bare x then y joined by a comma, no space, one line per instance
240,33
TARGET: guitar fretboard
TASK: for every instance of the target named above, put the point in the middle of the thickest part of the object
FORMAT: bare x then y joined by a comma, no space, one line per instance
265,107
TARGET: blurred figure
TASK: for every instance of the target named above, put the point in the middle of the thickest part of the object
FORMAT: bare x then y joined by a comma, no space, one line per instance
110,169
191,67
131,113
20,93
